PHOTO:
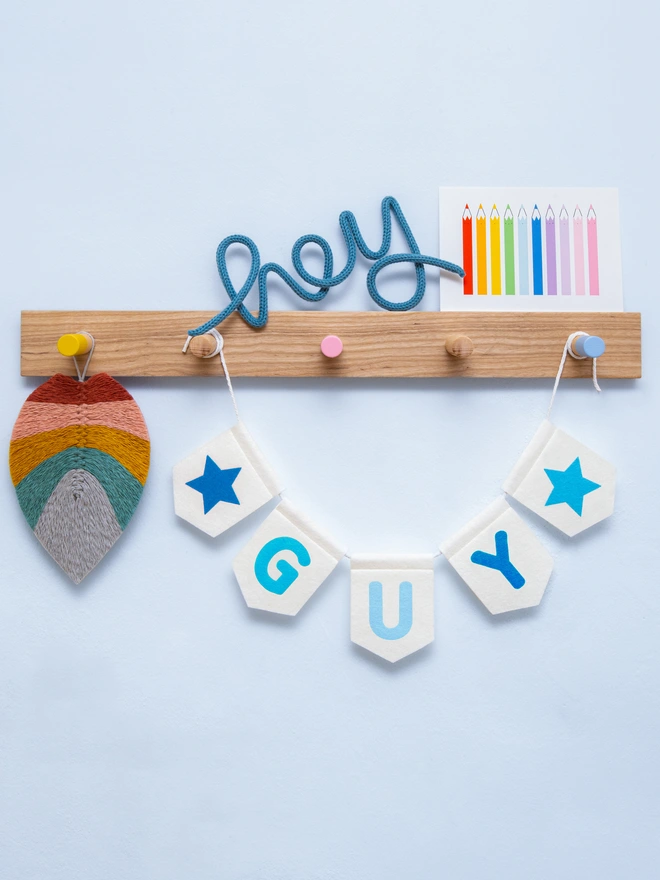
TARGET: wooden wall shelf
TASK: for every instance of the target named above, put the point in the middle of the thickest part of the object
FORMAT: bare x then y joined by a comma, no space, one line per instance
376,344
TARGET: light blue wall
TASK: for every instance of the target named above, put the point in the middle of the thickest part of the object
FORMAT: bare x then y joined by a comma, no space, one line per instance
151,727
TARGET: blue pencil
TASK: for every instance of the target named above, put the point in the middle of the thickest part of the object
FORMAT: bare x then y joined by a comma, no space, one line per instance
537,251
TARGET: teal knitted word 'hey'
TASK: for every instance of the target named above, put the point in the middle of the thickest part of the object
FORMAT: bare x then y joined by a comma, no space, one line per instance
354,242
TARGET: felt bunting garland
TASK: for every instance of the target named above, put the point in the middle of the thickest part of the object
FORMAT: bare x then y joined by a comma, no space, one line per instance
392,616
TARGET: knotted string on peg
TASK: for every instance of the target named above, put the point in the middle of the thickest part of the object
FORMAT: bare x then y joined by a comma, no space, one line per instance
354,242
568,349
74,344
219,350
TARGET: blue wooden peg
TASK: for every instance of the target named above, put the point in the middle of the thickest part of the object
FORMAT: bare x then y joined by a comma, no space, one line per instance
589,346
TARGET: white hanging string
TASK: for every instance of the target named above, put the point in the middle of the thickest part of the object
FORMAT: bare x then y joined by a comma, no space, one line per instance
83,374
219,346
568,349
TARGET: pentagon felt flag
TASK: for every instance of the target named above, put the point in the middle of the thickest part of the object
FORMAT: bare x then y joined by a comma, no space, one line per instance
392,604
222,482
500,559
284,562
563,481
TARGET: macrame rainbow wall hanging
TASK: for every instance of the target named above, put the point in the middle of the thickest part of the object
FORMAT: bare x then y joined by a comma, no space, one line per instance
79,458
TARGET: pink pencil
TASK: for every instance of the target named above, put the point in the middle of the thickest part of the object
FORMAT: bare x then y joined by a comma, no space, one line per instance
564,252
578,247
592,244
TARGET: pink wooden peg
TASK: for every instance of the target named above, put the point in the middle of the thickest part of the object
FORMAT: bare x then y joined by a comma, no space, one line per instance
332,346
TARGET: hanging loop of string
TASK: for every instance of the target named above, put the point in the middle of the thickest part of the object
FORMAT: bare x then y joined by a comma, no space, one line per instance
354,242
568,349
219,350
83,373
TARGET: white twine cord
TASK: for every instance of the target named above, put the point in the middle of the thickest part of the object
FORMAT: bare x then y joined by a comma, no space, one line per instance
219,346
568,349
81,376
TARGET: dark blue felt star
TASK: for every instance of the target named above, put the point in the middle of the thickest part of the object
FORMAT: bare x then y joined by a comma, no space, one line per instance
215,484
570,486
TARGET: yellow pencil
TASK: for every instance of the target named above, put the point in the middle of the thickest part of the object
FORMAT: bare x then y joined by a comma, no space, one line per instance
482,272
495,253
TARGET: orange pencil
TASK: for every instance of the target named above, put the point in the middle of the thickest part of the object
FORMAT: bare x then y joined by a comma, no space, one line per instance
482,270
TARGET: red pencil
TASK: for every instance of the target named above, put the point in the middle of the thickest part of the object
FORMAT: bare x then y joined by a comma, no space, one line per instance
467,251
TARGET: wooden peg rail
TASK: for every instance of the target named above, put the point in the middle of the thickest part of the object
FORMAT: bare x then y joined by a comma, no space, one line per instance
375,344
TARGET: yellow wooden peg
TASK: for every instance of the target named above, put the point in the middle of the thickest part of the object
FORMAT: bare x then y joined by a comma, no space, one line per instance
72,344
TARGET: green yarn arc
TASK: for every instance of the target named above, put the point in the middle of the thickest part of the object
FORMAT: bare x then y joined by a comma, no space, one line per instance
121,487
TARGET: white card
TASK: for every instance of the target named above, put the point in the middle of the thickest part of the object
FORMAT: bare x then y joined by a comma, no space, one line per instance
284,562
392,604
222,482
555,249
563,481
500,559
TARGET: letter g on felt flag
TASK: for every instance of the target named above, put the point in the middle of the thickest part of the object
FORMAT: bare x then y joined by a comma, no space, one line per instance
500,559
222,482
563,481
285,562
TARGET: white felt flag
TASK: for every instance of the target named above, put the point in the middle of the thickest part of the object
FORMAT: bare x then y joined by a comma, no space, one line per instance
284,562
392,604
222,482
563,481
500,559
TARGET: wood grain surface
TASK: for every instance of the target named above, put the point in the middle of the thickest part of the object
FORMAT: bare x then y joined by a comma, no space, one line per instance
376,344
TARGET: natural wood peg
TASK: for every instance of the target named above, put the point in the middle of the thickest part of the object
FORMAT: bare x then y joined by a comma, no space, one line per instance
203,346
459,346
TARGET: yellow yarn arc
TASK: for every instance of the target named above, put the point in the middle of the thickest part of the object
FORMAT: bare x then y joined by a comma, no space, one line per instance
72,344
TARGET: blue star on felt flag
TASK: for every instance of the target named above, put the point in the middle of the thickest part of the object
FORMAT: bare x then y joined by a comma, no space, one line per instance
570,486
215,484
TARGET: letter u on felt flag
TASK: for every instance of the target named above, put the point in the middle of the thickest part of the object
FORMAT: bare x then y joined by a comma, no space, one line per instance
563,481
284,562
500,559
392,604
222,482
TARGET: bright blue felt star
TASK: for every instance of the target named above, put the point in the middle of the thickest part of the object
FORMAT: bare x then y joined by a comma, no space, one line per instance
215,484
570,486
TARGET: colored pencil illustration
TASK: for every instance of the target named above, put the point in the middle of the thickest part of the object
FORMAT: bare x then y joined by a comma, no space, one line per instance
578,250
592,245
467,252
564,252
551,251
482,270
537,251
509,255
523,253
495,253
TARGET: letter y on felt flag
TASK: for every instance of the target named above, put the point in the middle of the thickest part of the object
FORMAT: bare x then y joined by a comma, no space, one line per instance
284,562
500,559
563,481
222,482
